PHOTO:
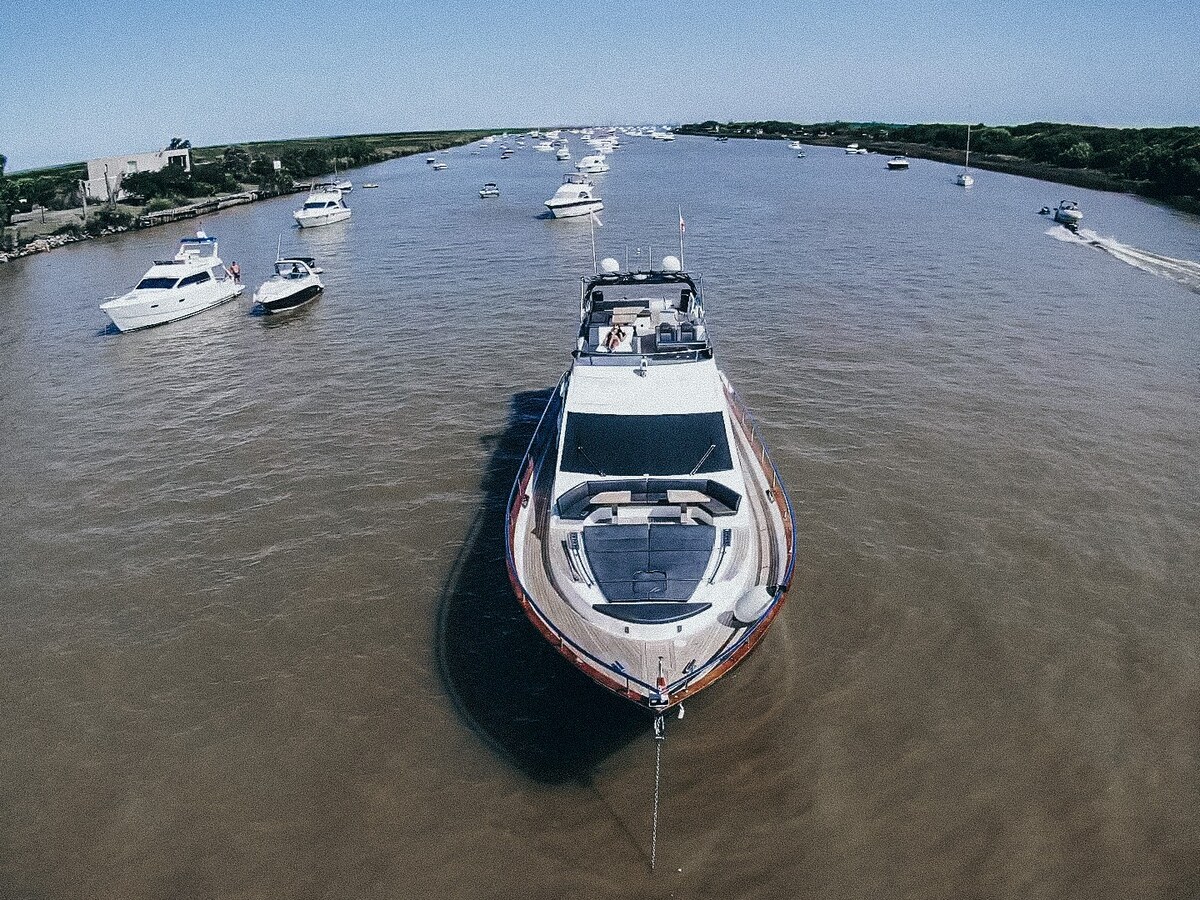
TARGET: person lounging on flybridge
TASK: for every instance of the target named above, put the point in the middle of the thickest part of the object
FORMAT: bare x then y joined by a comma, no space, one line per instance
628,316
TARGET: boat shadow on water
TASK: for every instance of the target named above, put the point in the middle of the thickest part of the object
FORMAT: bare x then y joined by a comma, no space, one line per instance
510,686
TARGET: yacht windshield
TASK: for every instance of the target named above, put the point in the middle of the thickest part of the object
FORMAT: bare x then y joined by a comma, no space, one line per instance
149,283
671,444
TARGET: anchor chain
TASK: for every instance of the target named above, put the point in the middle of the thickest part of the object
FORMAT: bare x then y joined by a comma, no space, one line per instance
660,735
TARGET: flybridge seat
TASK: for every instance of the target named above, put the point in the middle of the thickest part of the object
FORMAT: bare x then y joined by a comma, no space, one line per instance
704,493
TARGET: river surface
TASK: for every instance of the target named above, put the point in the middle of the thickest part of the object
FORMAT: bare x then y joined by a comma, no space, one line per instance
257,640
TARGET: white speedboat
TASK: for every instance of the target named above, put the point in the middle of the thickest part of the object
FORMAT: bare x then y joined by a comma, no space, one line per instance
543,146
489,190
794,145
296,281
964,178
345,185
576,196
662,136
592,165
439,166
324,206
648,536
563,154
195,280
1068,213
897,163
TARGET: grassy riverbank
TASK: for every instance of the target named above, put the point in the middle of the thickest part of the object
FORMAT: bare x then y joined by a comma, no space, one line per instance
221,173
1159,163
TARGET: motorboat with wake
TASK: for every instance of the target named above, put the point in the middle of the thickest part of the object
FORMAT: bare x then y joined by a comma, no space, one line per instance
648,536
324,206
171,289
576,196
1068,213
296,281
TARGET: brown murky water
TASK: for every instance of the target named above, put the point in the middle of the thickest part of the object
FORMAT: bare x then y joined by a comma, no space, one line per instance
256,637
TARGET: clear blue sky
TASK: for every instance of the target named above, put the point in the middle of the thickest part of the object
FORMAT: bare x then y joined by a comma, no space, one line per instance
85,79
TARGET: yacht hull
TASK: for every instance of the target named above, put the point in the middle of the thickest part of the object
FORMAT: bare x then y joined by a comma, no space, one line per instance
290,301
570,210
322,218
569,632
161,310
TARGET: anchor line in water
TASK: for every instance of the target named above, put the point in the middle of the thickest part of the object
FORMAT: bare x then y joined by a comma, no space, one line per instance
660,736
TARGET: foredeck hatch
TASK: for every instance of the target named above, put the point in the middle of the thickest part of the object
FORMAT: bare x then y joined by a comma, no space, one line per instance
648,561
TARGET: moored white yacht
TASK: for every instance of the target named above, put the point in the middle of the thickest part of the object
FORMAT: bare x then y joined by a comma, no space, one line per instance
897,163
195,280
489,191
296,281
324,206
648,535
563,154
576,196
592,165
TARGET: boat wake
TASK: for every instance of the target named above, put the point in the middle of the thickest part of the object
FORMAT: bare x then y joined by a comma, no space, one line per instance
1183,271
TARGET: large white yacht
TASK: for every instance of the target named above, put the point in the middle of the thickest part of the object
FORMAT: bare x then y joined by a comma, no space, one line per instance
324,206
576,196
648,535
195,280
593,164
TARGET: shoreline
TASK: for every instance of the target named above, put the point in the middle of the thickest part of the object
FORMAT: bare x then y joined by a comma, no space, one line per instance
199,206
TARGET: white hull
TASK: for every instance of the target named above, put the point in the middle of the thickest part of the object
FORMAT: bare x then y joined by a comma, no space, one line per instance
320,217
574,208
160,307
964,180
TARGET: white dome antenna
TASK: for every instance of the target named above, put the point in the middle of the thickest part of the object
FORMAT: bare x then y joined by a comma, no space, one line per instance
671,264
609,266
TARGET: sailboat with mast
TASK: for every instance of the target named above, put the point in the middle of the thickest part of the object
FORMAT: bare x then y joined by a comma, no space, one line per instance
964,177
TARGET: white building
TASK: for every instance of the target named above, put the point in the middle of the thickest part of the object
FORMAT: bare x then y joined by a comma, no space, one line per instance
105,175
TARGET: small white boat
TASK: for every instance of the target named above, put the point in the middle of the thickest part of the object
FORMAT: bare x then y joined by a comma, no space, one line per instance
563,154
794,145
801,155
592,165
662,135
897,163
964,178
543,146
296,281
575,197
430,160
648,536
506,154
439,166
1068,213
324,206
369,184
489,190
195,280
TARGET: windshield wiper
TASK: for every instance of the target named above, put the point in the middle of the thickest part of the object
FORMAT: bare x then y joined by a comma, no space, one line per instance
579,449
703,459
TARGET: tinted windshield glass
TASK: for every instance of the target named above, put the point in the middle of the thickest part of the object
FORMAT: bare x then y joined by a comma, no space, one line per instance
156,283
674,444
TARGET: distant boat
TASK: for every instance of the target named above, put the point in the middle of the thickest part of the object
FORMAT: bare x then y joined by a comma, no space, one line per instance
801,155
794,145
1068,213
370,184
897,163
854,149
438,166
563,154
964,178
592,164
430,160
324,206
489,190
575,197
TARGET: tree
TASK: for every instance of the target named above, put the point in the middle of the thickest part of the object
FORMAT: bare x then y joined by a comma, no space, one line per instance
1077,155
236,162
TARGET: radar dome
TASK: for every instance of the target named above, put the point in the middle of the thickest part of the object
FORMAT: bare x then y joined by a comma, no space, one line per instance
671,264
609,266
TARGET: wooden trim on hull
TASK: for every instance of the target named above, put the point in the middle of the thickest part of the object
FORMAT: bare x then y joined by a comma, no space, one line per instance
623,685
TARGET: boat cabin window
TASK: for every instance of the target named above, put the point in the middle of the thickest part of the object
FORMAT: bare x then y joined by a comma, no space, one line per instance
198,278
668,444
151,283
318,204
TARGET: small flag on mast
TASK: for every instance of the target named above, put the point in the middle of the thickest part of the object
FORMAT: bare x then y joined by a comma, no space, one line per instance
681,222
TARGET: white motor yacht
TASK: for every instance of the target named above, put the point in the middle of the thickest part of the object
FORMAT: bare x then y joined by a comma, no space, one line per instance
897,163
662,135
324,206
563,154
794,145
439,166
195,280
296,281
648,536
576,196
489,190
592,165
543,146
